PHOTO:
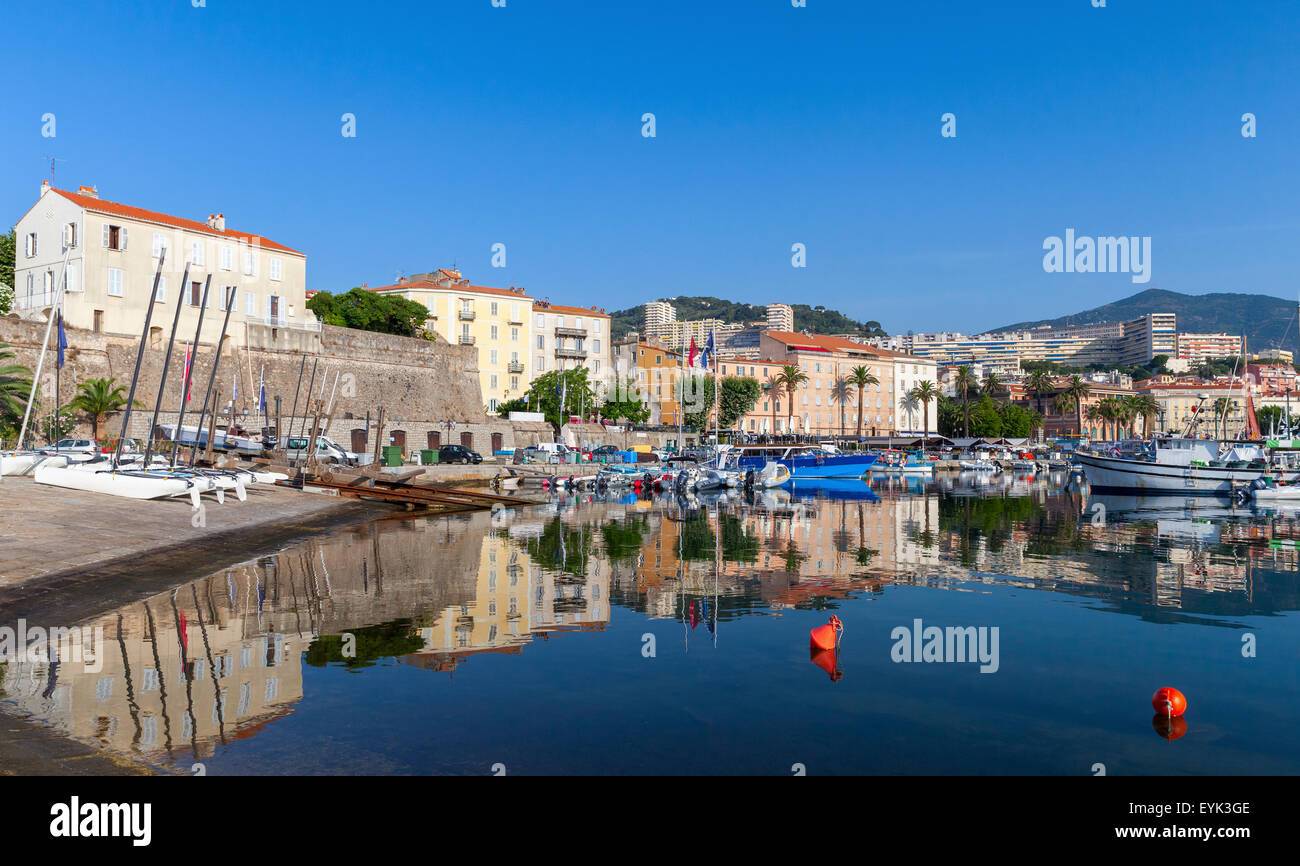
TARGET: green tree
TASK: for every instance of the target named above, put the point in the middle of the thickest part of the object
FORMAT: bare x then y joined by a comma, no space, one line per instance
1270,419
925,393
842,393
628,407
1041,384
985,420
8,252
966,385
15,388
791,378
98,398
1074,392
370,311
860,378
737,398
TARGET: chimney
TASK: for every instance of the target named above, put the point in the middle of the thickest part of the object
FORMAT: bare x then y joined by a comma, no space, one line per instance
364,286
45,187
212,220
220,222
91,191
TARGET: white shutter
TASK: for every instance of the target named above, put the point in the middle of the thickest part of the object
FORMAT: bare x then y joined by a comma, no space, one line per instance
250,307
161,294
105,240
123,238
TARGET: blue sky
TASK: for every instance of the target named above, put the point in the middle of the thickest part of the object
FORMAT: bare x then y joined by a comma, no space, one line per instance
776,125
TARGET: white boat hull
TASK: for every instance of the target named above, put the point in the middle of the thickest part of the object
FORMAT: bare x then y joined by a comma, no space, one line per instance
1119,473
114,483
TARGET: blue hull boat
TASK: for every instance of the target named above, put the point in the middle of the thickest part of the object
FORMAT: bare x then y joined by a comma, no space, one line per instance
806,462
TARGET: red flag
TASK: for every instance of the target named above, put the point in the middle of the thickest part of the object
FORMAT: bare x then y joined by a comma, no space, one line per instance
189,386
691,361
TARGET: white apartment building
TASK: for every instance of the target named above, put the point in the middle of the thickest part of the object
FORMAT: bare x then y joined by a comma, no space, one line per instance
569,337
780,317
113,251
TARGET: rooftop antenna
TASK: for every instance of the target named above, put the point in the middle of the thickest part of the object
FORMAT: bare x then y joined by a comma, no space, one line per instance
53,160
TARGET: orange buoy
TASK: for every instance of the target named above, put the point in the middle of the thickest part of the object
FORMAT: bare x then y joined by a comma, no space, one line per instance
827,637
828,661
1169,702
1169,727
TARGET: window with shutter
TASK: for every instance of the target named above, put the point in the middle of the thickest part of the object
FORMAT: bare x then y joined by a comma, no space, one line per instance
250,304
161,295
123,247
105,240
157,244
275,269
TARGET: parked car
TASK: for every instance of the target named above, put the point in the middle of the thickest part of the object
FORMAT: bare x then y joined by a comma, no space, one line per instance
605,451
458,454
74,446
327,451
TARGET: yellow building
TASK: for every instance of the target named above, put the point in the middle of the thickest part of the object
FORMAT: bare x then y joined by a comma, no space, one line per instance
495,321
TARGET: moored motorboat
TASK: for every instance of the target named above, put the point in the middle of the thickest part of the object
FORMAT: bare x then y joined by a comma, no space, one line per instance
806,461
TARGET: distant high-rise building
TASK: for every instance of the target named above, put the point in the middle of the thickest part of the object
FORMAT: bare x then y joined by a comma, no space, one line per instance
658,316
780,317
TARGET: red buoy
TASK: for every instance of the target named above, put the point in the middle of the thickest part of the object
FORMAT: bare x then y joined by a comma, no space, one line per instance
1169,727
827,637
1169,702
828,661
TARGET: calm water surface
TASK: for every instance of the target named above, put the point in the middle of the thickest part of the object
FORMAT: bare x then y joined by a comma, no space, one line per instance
647,635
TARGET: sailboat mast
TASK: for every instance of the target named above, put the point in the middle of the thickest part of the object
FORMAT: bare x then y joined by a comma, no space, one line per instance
139,358
189,374
56,305
212,376
167,361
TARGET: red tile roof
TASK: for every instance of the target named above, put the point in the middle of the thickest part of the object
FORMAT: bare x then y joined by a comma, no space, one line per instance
581,311
454,287
818,343
99,205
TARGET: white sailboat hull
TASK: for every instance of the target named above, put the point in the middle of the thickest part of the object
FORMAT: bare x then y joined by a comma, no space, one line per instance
113,483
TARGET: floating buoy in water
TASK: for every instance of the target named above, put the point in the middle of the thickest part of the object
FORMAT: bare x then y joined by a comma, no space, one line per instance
1169,727
1169,702
827,660
827,637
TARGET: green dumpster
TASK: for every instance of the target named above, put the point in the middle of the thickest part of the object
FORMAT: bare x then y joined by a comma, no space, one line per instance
428,457
392,455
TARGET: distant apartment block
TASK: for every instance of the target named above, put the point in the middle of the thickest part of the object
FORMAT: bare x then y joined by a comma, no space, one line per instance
1202,347
113,251
780,317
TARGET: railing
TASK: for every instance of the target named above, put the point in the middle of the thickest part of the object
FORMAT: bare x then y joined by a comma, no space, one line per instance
516,367
282,322
571,353
466,340
577,333
466,315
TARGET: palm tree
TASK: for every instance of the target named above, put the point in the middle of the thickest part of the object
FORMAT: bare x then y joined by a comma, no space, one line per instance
924,393
861,377
993,384
1040,384
841,393
965,382
1075,390
772,386
1143,406
1096,413
99,398
1035,420
909,403
790,378
15,388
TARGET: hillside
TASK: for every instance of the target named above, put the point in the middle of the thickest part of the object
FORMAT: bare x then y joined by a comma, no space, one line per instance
1264,320
689,309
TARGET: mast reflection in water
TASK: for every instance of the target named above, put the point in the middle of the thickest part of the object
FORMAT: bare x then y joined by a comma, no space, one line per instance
646,635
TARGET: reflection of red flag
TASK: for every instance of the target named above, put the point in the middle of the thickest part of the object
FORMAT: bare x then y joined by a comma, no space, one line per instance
185,639
695,617
691,361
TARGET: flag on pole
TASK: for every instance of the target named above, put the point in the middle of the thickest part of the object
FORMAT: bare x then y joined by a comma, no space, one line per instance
708,352
189,363
690,360
234,391
63,341
261,398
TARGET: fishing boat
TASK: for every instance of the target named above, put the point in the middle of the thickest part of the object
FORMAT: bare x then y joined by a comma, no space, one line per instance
893,462
1181,466
979,465
806,461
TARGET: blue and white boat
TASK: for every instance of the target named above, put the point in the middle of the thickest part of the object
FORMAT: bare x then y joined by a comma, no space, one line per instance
806,461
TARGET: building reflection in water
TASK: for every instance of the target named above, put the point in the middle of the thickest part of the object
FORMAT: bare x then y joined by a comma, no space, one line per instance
219,659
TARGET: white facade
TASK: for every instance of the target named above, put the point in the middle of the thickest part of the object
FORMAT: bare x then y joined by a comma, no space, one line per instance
112,257
910,371
569,337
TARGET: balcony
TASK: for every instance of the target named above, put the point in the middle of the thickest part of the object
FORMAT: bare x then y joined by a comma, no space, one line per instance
515,367
466,339
575,333
465,315
580,354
